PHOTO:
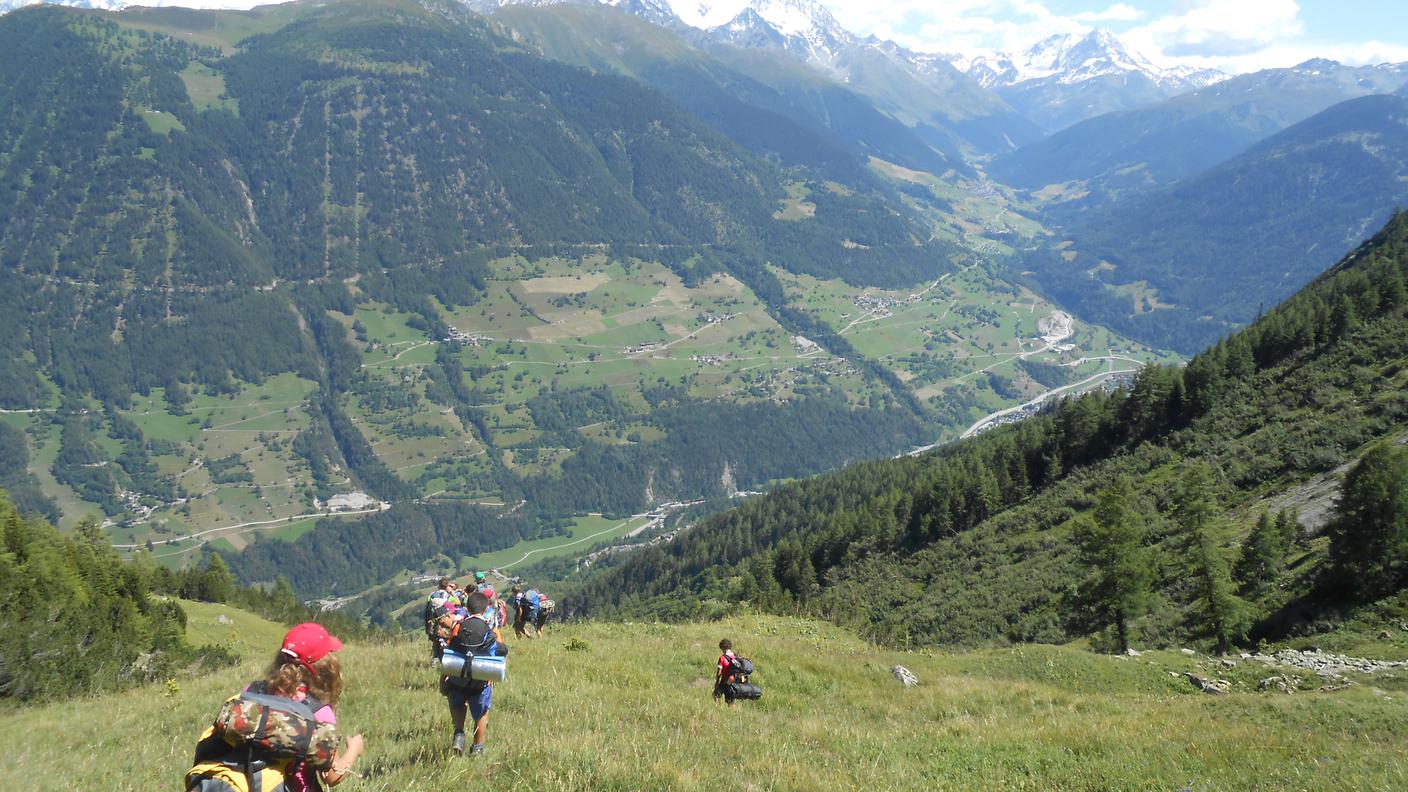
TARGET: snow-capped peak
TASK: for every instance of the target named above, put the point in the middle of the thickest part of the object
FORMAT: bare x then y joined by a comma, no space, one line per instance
802,27
1074,58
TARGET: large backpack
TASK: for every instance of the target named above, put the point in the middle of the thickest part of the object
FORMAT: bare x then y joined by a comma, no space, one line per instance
256,736
489,647
740,668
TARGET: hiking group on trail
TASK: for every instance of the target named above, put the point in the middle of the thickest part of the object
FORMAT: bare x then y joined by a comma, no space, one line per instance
467,646
280,734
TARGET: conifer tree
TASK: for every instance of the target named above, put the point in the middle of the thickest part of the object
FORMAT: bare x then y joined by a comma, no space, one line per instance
1217,611
1263,554
1369,532
1112,544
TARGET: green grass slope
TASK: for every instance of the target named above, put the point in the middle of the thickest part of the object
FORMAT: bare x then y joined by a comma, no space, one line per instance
630,709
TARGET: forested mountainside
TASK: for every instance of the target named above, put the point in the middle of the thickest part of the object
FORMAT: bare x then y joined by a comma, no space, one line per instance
76,619
1104,157
325,260
1182,489
1180,266
772,107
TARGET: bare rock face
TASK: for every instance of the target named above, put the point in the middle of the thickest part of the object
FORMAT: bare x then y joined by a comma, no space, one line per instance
905,676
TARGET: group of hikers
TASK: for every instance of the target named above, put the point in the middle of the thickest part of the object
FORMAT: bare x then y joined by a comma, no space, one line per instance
280,733
464,624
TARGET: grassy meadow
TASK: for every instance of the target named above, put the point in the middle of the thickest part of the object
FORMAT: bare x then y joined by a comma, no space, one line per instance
627,707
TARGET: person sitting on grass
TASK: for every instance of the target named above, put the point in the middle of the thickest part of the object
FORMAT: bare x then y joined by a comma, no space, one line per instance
472,635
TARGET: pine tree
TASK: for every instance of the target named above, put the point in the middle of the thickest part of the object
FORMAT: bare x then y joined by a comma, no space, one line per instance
1217,610
1112,544
1263,554
1369,532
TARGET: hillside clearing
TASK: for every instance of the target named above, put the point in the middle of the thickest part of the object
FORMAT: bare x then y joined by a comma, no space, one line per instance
630,709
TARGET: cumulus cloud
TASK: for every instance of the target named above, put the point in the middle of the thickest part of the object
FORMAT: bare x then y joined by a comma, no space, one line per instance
1223,28
970,26
1119,12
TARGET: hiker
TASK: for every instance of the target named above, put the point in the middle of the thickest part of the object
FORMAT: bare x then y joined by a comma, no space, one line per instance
530,609
520,613
723,672
731,676
445,597
290,710
491,611
545,607
471,635
481,581
501,612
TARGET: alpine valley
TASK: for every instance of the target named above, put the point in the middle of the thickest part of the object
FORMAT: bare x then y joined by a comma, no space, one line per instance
1035,420
384,264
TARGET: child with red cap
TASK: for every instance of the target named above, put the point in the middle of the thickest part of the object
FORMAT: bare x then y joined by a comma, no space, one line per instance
306,669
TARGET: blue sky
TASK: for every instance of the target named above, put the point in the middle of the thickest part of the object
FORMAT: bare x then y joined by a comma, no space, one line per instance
1233,35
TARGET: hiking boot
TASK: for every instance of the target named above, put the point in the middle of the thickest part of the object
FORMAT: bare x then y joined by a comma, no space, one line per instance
458,747
477,749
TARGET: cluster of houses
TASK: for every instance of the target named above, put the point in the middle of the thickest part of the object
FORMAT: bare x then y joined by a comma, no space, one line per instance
458,336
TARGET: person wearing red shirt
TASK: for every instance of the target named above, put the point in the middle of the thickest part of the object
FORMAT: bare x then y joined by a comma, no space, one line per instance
724,672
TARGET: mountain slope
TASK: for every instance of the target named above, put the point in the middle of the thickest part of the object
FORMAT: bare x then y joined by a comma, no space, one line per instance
1247,233
371,278
974,543
946,107
355,177
789,113
1154,146
627,707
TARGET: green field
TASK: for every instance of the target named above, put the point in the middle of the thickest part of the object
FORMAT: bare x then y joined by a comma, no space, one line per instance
585,532
206,88
627,707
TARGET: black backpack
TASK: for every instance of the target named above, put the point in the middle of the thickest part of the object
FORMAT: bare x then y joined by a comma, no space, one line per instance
740,667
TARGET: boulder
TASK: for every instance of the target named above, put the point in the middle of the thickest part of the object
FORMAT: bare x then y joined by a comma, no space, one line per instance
905,676
1208,685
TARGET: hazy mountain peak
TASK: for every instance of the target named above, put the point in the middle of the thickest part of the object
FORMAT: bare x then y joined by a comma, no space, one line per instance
1074,58
803,27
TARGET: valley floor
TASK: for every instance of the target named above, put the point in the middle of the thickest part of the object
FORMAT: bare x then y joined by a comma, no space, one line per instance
627,707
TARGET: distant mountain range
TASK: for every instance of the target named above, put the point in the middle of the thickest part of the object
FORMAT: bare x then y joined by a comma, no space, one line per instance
1065,79
1153,146
1183,264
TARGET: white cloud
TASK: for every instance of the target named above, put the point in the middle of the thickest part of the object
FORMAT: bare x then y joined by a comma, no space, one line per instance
969,26
1231,35
1119,12
1221,29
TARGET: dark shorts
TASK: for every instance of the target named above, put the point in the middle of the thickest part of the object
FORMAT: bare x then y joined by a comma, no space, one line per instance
478,701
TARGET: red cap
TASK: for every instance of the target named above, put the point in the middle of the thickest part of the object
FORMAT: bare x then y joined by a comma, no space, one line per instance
308,643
